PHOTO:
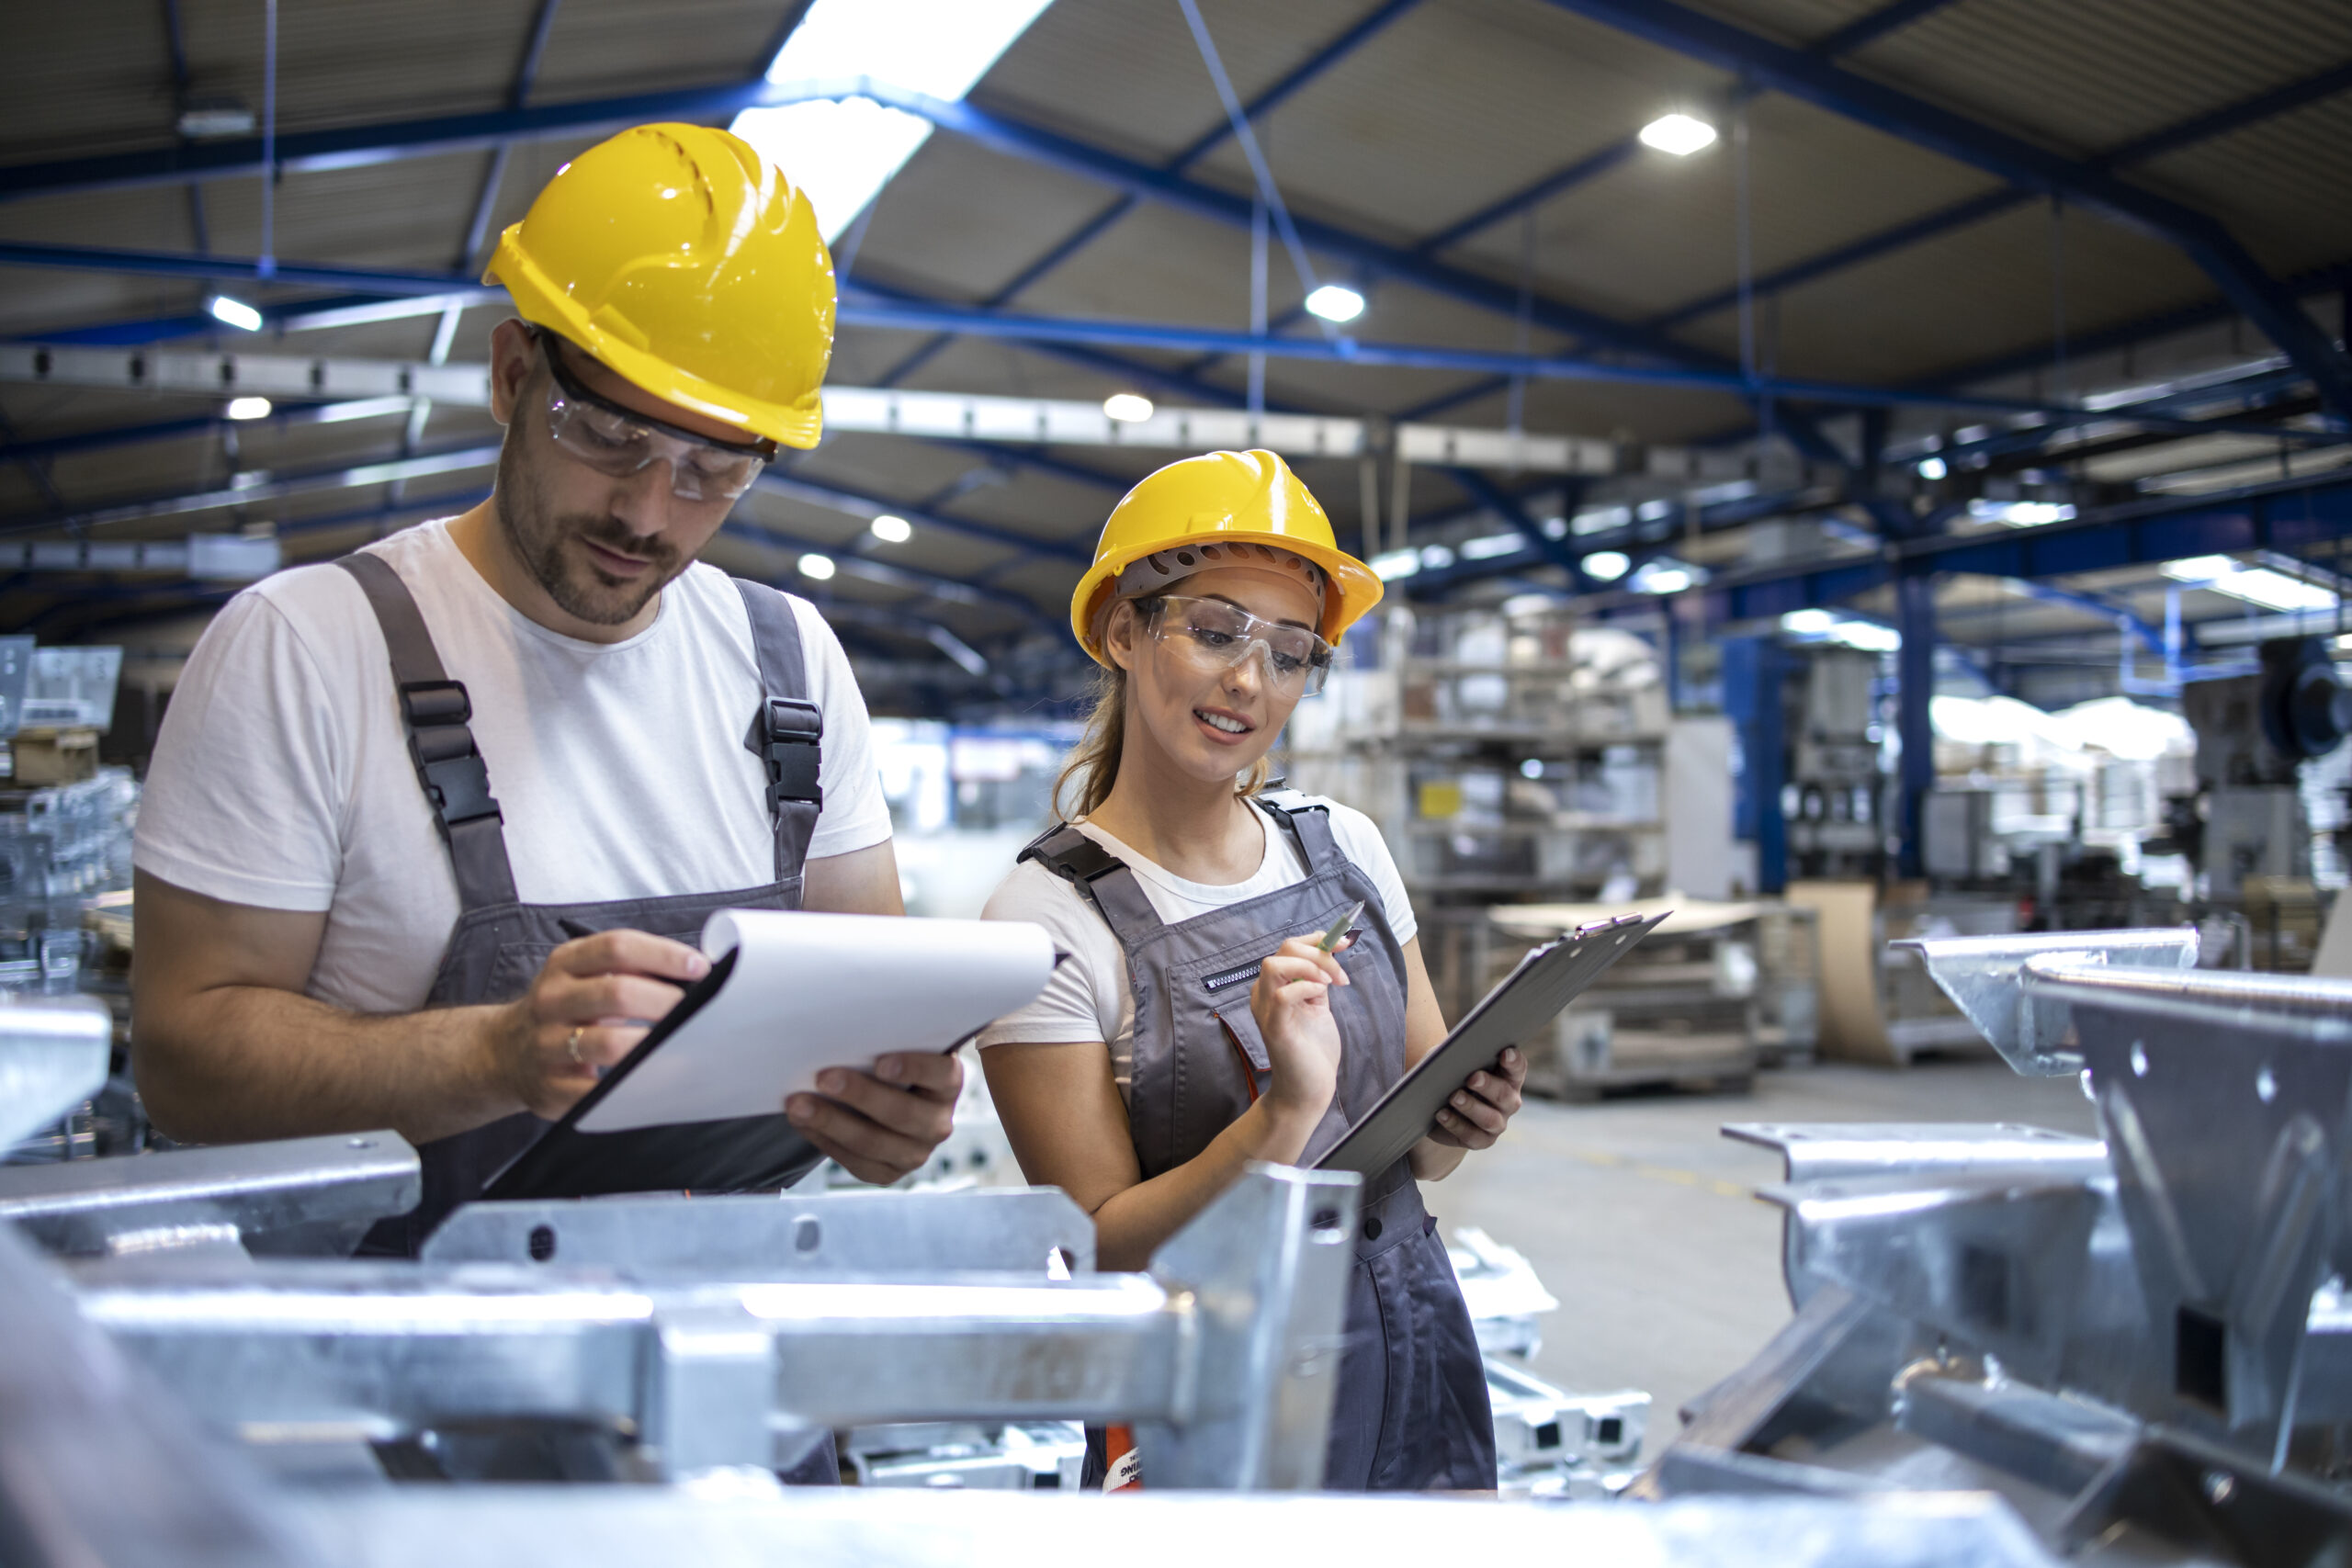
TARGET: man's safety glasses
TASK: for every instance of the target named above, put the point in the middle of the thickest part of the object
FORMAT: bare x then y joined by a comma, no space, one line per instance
1213,635
620,442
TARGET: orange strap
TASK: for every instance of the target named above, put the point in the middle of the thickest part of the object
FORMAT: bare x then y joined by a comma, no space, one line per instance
1249,1071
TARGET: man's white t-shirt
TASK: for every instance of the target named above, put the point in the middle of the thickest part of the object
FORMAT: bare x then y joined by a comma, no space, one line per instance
282,777
1089,996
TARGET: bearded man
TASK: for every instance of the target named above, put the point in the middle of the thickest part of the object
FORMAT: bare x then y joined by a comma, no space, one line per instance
429,828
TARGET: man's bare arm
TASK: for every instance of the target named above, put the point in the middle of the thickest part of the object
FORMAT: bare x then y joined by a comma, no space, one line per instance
226,1048
863,882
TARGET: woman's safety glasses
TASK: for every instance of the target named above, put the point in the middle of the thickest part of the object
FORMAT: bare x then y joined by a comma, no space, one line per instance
618,441
1213,635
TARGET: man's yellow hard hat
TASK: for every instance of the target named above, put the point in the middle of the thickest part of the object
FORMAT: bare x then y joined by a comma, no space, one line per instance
1214,510
687,263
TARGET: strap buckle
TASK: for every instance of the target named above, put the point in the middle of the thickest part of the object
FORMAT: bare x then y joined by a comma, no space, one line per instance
448,763
792,747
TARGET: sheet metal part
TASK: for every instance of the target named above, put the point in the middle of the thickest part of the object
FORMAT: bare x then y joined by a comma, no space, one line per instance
53,1054
2138,1339
1005,1229
1980,973
1224,1354
301,1196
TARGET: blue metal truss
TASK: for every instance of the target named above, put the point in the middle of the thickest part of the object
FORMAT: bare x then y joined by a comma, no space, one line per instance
1592,165
1307,70
862,307
2256,295
2219,122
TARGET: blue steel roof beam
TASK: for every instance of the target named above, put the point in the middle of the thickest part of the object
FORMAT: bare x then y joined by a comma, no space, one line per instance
357,145
1592,165
306,315
534,47
1493,497
1084,333
2259,297
2230,117
1314,65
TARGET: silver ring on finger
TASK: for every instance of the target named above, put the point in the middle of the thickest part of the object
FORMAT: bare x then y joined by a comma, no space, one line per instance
571,1045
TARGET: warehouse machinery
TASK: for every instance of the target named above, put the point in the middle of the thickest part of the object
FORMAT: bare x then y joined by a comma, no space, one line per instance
2142,1341
190,1374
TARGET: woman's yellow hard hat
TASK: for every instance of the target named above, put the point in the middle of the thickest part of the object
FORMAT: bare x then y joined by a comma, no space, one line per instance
1196,511
687,263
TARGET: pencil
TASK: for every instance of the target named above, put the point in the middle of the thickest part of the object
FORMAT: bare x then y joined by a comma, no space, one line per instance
1340,927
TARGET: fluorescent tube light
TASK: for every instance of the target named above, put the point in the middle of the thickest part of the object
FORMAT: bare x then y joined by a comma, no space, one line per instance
1335,302
235,312
1808,623
249,408
2256,585
1487,547
816,568
1395,564
843,153
892,530
1127,408
1678,134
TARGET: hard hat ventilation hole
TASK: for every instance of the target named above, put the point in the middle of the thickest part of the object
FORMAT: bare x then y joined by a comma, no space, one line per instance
1211,552
1184,558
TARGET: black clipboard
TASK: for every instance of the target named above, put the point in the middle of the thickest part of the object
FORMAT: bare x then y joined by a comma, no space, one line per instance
739,1154
1547,979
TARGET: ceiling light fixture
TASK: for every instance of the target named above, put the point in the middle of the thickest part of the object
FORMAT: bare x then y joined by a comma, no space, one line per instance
1606,565
1933,468
893,530
1678,134
249,408
817,568
842,152
1335,302
235,312
1127,408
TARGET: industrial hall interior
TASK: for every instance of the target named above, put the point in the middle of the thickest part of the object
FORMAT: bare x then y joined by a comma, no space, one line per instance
1457,777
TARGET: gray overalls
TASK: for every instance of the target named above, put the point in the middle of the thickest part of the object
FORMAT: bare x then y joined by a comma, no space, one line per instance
500,943
1411,1411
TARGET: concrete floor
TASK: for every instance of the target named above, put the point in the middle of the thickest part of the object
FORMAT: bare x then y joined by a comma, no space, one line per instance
1642,1218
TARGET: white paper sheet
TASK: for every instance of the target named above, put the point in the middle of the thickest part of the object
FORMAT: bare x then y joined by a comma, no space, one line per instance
814,991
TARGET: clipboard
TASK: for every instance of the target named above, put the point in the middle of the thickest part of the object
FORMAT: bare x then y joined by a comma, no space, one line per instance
1547,979
663,1118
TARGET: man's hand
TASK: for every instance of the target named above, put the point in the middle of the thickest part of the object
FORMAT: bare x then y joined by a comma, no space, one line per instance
1478,1111
591,1004
881,1124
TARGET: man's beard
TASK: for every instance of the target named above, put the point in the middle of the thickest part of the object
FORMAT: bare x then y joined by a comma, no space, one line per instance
538,537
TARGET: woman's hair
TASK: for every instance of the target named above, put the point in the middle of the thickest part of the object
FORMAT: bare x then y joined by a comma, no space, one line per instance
1093,765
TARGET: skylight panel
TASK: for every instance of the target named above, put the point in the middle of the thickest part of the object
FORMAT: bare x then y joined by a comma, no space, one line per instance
843,153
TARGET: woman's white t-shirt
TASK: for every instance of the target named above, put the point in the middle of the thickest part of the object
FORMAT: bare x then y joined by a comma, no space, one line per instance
1089,996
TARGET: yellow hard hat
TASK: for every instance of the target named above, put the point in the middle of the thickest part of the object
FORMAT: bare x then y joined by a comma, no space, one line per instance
1210,503
687,263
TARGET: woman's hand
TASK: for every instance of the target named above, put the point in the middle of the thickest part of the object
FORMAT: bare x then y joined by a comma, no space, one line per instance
1292,1003
1479,1110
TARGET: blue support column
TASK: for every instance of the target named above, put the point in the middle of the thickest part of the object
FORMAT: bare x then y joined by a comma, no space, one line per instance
1914,679
1754,669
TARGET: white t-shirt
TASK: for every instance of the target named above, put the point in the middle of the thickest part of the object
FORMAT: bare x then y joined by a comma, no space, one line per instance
1089,996
282,778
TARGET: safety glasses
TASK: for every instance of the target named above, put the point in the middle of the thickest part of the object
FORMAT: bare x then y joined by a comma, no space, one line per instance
620,442
1213,635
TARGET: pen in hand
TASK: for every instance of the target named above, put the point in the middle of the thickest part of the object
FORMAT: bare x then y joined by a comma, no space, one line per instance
1340,927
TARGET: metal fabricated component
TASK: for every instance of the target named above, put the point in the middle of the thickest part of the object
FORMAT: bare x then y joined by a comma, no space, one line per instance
1005,1228
2141,1339
53,1054
303,1196
1980,975
1547,1435
1223,1355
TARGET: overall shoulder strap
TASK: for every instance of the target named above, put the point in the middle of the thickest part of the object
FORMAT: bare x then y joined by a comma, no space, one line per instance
1311,824
788,733
1100,877
438,715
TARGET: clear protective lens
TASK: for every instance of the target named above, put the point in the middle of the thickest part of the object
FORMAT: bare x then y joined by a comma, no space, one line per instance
611,440
1215,636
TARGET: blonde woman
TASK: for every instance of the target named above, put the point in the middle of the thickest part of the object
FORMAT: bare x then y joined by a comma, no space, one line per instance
1198,1026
